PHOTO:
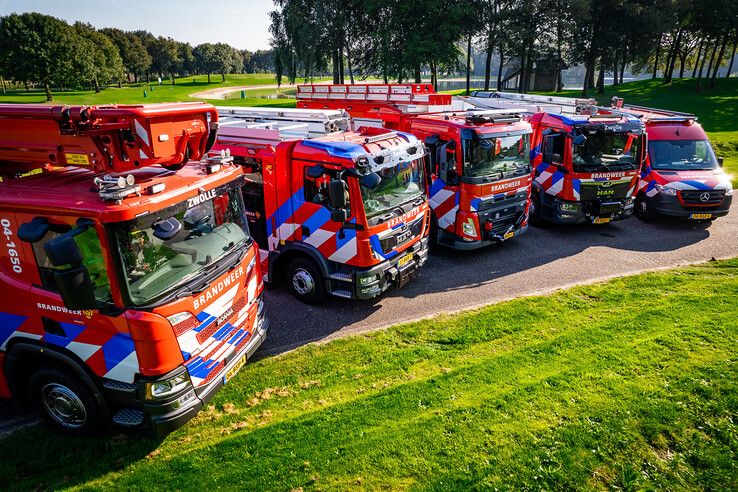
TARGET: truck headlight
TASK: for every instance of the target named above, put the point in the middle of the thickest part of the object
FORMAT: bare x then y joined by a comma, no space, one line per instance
468,228
729,192
167,387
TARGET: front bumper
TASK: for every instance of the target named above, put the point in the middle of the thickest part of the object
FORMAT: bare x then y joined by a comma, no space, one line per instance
565,212
453,241
164,416
671,206
390,273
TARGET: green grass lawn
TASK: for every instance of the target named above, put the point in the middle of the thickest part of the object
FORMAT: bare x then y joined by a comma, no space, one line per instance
626,385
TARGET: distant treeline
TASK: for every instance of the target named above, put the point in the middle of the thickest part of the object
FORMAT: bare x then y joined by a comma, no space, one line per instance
403,39
41,49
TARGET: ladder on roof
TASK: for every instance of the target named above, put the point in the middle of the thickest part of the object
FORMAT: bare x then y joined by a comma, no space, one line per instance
531,103
651,114
111,138
373,93
289,123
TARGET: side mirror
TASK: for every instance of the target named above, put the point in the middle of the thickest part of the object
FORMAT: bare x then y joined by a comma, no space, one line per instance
315,172
167,229
371,180
337,189
34,231
578,139
431,141
338,215
74,284
452,177
63,250
720,161
76,288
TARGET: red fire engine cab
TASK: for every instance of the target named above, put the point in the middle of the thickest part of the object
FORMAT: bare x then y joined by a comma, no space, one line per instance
586,159
131,286
333,211
479,160
682,177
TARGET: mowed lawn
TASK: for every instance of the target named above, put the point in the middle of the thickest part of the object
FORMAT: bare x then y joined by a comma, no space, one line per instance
626,385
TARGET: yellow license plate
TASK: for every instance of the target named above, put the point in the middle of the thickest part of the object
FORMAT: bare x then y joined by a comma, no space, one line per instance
508,235
700,216
404,260
601,220
234,369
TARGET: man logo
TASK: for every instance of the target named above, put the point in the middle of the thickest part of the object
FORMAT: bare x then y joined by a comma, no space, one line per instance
88,313
705,197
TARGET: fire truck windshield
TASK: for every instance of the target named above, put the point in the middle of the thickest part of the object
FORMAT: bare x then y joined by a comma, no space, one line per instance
203,230
681,155
502,156
400,184
605,151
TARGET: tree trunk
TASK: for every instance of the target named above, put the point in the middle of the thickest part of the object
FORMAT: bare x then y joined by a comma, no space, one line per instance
719,61
434,75
732,57
341,69
96,84
120,84
499,70
601,77
222,77
673,56
698,88
208,77
625,61
712,59
350,62
135,77
468,63
25,82
171,77
416,74
47,89
585,83
2,81
656,61
699,55
682,59
488,59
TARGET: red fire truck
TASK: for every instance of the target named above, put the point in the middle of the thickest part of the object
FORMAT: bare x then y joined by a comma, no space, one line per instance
479,160
586,158
333,211
682,177
131,287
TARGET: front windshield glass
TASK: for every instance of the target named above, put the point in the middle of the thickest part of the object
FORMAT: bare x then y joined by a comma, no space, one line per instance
681,155
501,156
604,151
401,183
210,229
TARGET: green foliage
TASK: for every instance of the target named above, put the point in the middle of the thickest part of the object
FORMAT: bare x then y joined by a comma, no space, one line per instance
624,385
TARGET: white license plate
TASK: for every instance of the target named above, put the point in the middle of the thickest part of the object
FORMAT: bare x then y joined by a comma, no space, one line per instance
601,220
700,216
404,260
234,369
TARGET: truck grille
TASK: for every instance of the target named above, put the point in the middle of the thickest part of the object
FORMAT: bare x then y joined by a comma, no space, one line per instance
702,197
402,235
502,213
599,190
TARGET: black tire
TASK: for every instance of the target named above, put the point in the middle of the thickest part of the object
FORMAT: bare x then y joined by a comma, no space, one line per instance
65,403
306,281
433,233
643,209
535,215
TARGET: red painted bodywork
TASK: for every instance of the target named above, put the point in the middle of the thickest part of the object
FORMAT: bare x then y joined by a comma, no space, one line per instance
425,114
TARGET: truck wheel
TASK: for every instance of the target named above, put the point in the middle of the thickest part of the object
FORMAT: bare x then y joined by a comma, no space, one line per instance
64,402
643,209
306,282
535,216
433,233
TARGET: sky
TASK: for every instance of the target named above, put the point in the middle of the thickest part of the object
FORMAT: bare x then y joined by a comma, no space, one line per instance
243,24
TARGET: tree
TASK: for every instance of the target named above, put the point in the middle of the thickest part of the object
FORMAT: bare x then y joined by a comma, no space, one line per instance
205,58
165,57
227,59
37,47
97,59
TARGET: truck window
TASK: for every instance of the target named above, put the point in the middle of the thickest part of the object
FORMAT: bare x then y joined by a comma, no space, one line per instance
92,258
317,190
553,149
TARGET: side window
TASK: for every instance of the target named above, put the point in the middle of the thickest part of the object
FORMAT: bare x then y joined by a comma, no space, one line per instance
317,190
553,149
92,258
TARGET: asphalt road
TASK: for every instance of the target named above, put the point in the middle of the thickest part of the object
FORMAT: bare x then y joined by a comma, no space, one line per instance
542,260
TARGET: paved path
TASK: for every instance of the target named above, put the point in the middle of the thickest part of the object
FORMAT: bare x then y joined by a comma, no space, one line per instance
543,260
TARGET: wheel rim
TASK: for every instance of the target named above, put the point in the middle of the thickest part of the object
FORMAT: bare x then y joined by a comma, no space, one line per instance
303,282
63,405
